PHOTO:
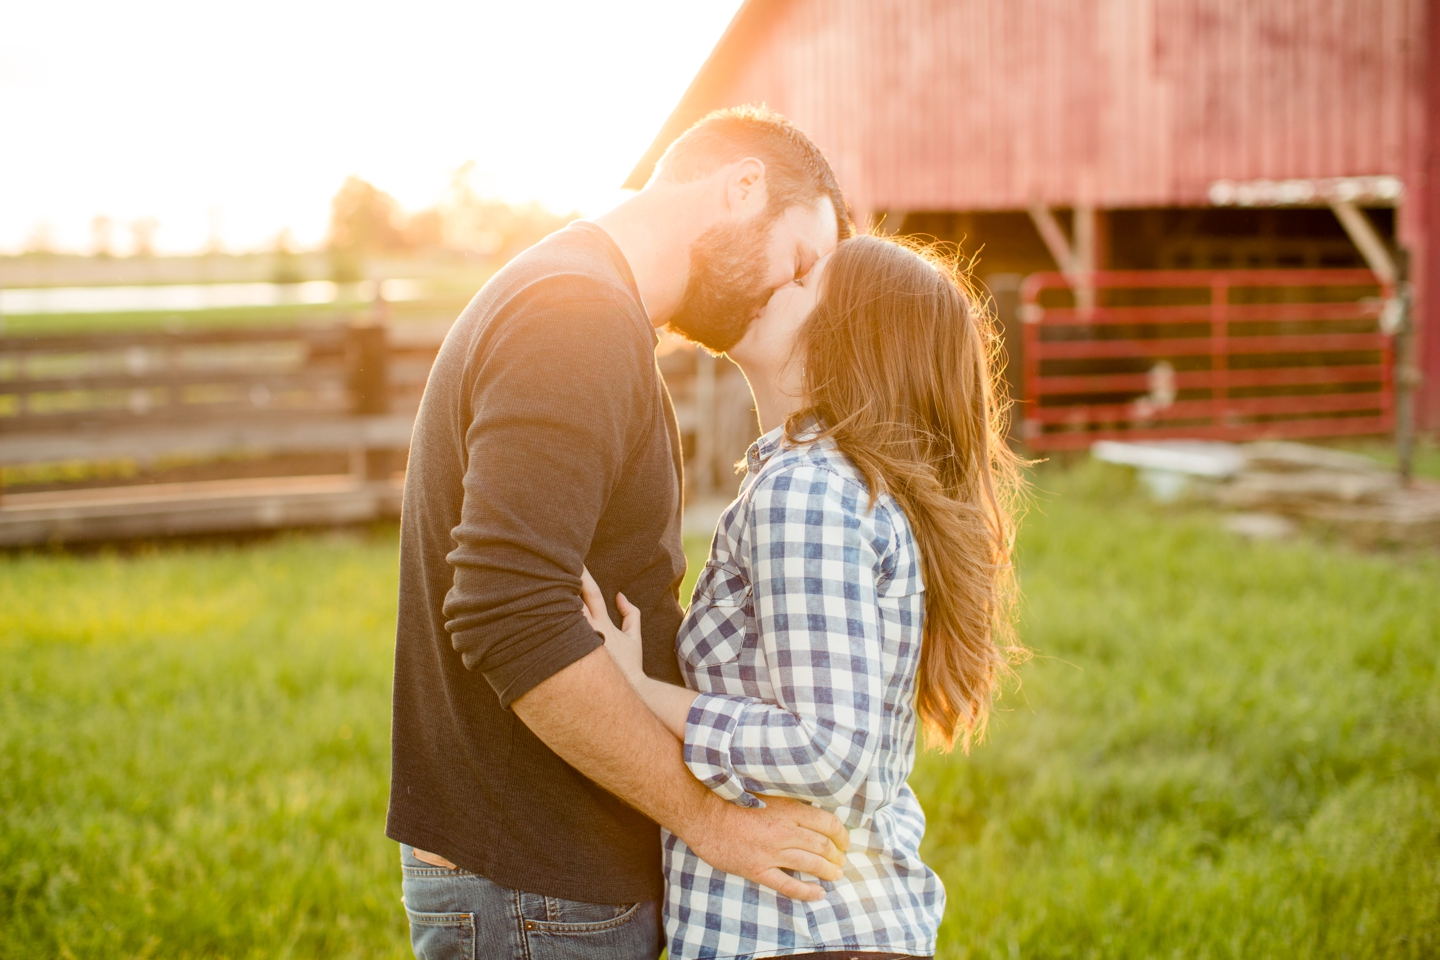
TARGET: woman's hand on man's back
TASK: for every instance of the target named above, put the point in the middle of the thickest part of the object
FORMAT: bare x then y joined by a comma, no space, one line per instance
623,642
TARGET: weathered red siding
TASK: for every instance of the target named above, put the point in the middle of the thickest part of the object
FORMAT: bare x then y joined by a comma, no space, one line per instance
990,104
994,104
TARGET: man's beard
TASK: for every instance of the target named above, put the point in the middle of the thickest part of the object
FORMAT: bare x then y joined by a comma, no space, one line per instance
728,285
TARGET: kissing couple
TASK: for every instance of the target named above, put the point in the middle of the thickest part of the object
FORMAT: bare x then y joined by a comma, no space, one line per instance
727,781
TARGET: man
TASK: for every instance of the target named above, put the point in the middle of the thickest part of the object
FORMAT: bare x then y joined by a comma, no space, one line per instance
528,777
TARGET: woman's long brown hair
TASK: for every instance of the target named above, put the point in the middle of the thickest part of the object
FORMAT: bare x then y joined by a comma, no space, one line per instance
899,369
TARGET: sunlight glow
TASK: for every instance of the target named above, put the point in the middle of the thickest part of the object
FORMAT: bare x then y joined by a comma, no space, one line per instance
243,120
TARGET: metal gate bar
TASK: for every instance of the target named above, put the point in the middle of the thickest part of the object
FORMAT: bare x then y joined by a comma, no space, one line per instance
1313,363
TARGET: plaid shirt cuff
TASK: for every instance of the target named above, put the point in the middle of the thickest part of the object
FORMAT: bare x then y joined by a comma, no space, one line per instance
709,730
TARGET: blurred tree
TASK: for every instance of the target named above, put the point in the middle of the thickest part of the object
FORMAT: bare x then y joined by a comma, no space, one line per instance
100,243
364,221
142,234
425,230
490,228
41,240
285,266
365,218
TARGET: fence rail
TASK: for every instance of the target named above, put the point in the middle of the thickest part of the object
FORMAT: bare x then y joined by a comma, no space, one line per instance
146,433
1232,355
154,433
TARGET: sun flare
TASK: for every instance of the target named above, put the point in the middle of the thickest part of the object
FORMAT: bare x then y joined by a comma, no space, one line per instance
243,121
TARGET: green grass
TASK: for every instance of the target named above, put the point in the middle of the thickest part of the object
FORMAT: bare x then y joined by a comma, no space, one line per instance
194,753
1222,749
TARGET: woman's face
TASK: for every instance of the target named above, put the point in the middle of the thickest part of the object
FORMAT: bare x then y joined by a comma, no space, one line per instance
769,341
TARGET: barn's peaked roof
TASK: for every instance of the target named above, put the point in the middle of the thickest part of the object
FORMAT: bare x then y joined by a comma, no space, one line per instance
709,84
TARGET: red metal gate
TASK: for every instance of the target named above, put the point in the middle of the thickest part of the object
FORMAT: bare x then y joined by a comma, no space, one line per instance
1221,355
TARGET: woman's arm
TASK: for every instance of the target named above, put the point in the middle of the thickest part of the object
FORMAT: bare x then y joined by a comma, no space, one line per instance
815,562
667,701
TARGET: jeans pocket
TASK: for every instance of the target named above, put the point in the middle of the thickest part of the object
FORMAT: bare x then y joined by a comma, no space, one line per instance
442,936
578,916
593,931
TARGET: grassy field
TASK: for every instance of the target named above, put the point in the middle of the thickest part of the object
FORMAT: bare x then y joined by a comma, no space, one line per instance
1222,749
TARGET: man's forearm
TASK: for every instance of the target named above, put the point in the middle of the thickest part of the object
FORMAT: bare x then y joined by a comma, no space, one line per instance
590,715
592,718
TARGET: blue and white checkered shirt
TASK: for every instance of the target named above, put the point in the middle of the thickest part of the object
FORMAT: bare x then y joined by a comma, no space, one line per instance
803,639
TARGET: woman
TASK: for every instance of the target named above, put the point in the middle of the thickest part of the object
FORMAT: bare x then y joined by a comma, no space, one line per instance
858,587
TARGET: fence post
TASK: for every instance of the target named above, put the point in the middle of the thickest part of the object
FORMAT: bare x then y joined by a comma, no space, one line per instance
1219,353
369,391
704,421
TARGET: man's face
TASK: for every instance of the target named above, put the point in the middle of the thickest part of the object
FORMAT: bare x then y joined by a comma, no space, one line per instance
735,267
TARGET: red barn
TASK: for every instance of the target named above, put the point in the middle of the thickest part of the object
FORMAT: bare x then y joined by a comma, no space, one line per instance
1122,135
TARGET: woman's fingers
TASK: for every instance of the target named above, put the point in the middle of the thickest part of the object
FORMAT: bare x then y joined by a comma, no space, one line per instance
589,589
591,596
631,614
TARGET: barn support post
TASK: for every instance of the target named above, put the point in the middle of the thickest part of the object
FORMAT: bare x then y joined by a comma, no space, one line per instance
1395,319
1424,269
1077,260
1362,234
1054,237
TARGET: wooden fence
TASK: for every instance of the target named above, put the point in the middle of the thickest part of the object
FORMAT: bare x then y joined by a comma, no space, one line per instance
111,436
153,433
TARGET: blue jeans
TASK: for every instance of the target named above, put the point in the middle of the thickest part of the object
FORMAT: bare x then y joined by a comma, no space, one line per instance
459,915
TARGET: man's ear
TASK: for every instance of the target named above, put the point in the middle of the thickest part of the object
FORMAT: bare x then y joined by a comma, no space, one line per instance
746,193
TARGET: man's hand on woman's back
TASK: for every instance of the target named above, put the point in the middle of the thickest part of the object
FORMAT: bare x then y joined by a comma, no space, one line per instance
761,844
589,715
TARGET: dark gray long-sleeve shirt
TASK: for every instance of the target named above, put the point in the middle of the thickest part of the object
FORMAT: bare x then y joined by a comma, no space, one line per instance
545,442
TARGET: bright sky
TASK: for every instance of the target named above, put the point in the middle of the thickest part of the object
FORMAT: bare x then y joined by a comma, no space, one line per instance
249,116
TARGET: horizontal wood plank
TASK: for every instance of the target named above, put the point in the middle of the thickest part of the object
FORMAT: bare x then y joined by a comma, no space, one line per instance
194,508
211,438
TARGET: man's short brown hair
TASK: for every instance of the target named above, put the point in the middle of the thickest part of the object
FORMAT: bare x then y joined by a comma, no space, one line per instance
795,169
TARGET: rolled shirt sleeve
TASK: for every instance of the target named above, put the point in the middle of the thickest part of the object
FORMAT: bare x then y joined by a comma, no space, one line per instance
554,405
816,558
